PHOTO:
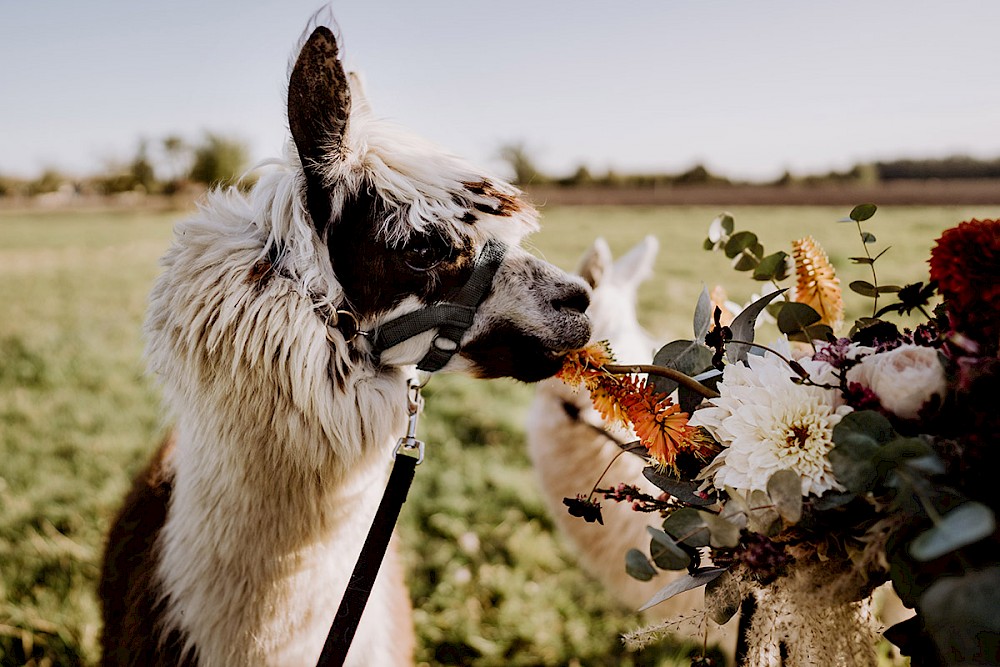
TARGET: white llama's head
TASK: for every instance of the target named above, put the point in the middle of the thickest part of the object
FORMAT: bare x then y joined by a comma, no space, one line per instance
407,226
615,285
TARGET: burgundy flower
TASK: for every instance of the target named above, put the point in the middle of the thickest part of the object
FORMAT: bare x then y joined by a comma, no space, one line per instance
966,265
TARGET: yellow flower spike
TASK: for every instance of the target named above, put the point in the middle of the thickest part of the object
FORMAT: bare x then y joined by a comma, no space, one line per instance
817,284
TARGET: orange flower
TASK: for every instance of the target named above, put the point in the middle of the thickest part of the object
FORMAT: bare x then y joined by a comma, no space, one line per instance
606,394
585,363
662,427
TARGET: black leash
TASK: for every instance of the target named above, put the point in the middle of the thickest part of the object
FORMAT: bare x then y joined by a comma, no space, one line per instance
409,454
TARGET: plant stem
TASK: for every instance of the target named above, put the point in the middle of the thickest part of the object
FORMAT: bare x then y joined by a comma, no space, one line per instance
871,263
606,469
796,368
680,378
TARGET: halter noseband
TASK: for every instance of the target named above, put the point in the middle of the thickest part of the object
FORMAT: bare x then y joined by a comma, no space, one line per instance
451,317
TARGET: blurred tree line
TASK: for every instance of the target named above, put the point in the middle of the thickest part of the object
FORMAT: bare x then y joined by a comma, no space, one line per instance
168,166
526,172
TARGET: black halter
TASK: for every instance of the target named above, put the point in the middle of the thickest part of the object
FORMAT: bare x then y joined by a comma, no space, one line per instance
452,317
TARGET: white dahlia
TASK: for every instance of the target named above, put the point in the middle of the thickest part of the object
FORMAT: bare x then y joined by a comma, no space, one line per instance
768,423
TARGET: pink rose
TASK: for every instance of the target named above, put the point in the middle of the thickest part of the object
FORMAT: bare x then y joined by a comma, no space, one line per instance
903,379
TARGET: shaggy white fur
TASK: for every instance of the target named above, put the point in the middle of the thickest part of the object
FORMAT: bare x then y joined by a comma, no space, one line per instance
284,430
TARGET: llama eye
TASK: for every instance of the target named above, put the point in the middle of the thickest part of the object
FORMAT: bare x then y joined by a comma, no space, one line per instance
425,253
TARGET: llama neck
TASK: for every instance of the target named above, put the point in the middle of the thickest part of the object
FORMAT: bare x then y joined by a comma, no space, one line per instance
266,508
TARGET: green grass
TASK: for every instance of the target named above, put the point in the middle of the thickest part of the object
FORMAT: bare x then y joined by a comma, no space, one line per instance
491,582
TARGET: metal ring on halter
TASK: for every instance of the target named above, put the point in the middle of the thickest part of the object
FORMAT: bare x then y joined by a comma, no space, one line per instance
352,332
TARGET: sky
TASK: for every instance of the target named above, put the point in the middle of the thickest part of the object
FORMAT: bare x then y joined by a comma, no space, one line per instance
747,88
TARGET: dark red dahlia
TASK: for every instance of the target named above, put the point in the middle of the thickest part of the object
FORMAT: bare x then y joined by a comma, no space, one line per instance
966,265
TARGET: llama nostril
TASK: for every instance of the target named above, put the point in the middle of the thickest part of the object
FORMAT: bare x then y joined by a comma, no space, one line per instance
574,298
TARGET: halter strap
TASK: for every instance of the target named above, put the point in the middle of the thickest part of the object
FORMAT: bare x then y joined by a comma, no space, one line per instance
452,317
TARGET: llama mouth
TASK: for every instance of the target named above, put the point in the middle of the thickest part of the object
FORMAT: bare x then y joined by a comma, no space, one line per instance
510,352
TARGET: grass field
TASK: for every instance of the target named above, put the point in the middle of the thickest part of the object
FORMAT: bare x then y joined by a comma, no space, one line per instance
490,581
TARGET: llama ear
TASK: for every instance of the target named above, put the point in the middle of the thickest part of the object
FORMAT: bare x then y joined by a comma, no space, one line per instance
596,262
319,103
637,264
358,95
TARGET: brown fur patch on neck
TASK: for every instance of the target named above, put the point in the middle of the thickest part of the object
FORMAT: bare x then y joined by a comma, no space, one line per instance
131,602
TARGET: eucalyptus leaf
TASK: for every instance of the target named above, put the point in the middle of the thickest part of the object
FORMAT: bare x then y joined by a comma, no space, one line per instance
736,510
863,425
794,317
743,326
900,450
739,242
749,259
867,238
862,212
888,289
772,267
684,583
811,333
785,489
832,499
638,566
665,552
687,356
635,447
853,466
862,260
966,524
863,287
683,489
960,614
708,245
722,598
763,519
720,228
702,314
723,534
688,525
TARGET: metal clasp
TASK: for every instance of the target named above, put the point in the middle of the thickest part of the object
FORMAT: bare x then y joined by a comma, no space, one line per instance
408,445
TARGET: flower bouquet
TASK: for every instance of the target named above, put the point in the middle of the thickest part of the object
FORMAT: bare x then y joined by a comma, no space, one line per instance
798,477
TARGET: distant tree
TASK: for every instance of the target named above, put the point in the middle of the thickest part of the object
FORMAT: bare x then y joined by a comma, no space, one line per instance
219,160
523,166
177,155
141,169
50,181
579,178
696,175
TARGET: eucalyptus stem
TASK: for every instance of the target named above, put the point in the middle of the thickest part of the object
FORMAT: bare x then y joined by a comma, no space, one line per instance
680,378
871,263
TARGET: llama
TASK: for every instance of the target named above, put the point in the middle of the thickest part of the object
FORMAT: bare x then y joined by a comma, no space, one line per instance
235,545
570,444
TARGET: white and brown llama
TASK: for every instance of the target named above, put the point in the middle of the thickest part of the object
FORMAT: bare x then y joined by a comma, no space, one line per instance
235,545
570,444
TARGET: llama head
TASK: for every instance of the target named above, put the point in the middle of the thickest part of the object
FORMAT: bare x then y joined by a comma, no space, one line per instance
615,285
405,225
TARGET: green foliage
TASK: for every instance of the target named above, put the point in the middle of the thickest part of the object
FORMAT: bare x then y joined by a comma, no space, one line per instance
218,160
523,165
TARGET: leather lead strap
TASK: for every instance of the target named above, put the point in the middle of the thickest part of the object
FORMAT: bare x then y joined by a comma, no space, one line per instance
359,588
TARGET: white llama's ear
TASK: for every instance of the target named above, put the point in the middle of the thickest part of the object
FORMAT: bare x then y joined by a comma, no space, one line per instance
596,262
637,264
319,104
